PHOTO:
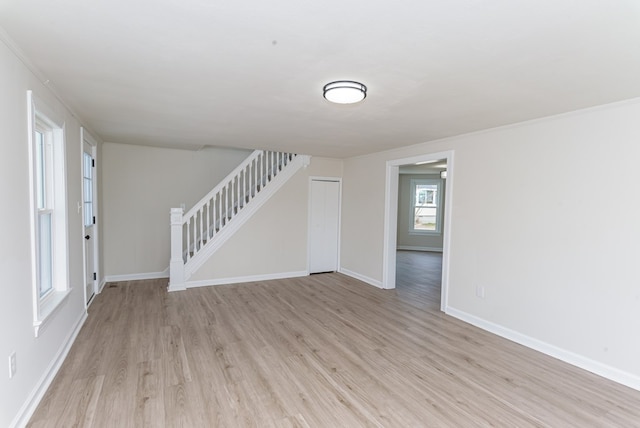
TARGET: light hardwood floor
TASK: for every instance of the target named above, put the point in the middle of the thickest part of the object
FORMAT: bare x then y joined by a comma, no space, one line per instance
319,351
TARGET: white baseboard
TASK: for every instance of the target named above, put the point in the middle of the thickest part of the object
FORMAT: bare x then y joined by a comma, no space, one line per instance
102,284
30,405
410,248
242,279
362,278
176,287
137,276
606,371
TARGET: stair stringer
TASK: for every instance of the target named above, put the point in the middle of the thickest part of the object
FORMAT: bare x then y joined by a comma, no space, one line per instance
242,217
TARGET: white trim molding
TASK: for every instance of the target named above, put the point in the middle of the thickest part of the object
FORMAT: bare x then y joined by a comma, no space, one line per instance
86,137
245,279
49,123
30,405
391,219
136,277
606,371
360,277
53,305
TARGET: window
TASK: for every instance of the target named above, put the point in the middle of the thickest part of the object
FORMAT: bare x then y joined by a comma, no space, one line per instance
44,208
87,188
49,214
426,204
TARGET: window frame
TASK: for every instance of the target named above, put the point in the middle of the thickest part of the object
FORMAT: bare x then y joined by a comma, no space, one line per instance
88,177
48,198
414,182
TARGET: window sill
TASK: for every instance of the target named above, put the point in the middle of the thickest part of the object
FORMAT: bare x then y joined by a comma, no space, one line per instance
48,308
425,232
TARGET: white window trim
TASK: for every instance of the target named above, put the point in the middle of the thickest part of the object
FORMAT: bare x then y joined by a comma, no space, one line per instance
413,183
46,306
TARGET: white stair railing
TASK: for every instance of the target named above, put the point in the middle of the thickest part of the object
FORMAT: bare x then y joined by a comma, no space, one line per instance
195,231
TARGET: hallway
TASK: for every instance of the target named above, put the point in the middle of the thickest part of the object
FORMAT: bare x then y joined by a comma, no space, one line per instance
418,276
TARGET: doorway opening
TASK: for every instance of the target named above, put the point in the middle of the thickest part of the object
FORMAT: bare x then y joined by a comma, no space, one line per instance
419,218
421,198
419,276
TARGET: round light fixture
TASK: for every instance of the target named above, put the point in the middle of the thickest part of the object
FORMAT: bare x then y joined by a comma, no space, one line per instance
344,92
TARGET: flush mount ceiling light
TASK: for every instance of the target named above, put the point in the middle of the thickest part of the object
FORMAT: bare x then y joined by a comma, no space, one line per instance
344,92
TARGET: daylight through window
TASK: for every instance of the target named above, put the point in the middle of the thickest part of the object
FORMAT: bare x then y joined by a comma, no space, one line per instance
425,203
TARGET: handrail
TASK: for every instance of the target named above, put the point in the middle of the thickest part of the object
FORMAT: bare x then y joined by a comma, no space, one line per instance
201,228
221,184
214,211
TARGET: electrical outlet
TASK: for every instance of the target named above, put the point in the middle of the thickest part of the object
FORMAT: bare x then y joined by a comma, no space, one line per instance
12,365
480,291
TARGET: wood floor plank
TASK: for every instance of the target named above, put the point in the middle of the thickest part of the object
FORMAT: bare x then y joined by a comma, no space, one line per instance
319,351
149,395
174,356
80,408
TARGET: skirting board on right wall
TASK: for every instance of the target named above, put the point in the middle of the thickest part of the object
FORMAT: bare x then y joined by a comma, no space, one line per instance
608,372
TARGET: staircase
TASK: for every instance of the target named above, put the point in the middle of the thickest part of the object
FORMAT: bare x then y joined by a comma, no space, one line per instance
199,233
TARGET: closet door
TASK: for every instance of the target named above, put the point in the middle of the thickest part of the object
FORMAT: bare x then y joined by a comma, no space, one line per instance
324,224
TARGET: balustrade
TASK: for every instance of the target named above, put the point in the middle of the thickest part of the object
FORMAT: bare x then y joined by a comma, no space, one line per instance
195,230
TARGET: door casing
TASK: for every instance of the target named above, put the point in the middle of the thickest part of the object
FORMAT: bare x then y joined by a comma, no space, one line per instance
91,246
391,220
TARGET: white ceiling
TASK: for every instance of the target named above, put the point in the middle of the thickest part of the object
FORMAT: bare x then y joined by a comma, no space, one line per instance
250,73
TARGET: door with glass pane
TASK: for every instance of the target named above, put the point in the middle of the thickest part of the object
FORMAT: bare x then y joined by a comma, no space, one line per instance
88,218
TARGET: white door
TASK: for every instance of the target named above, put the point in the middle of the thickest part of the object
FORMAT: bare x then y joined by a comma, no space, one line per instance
88,216
324,226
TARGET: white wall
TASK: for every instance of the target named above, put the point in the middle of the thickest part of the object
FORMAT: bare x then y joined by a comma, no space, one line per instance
274,240
408,240
140,185
36,357
556,252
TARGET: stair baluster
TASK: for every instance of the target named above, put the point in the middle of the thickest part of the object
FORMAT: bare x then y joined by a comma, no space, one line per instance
206,224
188,237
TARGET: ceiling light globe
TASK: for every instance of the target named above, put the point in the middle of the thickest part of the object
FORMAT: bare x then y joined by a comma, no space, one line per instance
344,92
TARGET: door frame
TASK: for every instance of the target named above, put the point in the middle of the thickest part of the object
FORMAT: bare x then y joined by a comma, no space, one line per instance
86,137
391,220
335,180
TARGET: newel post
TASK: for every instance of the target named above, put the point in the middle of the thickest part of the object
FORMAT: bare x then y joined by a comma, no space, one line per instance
176,265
